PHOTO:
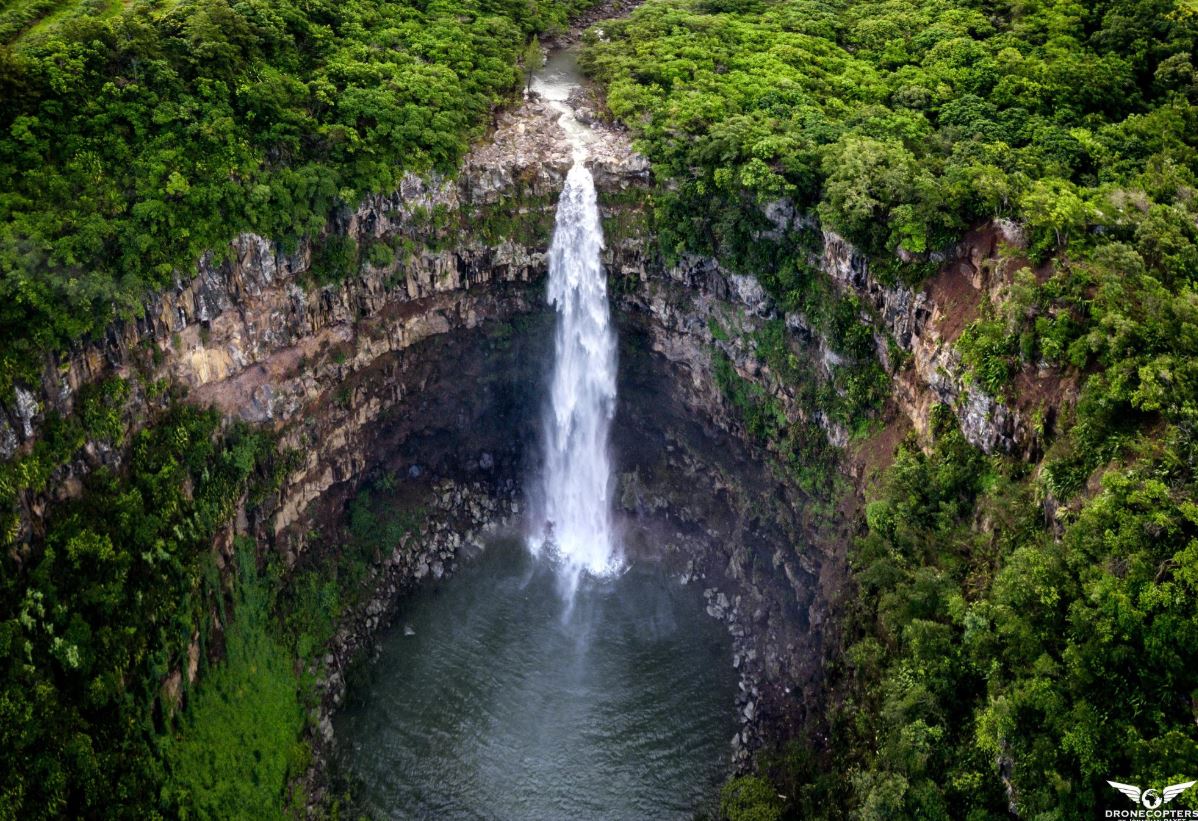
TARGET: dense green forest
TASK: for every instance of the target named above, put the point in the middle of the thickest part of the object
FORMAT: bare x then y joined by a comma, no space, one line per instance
95,620
134,137
1020,633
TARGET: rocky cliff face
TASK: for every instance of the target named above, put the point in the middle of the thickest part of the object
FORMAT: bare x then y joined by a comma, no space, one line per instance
925,322
914,328
698,496
255,334
698,305
773,565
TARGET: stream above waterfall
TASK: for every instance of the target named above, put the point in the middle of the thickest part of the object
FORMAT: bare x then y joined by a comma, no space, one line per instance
491,699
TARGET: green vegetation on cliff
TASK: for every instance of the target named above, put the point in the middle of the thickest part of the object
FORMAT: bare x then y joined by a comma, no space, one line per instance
239,739
1022,632
135,586
989,646
136,137
94,621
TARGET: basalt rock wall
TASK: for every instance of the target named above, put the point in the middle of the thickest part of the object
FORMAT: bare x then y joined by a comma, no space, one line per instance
260,333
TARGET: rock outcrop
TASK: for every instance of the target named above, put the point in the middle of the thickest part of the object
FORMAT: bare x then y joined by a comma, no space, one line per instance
925,322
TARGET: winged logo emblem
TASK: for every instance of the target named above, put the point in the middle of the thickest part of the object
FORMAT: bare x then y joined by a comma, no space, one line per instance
1152,799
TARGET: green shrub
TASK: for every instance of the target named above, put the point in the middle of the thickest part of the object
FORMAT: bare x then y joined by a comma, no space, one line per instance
749,798
334,259
238,740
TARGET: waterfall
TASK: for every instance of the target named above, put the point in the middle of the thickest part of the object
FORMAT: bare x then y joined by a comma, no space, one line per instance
582,391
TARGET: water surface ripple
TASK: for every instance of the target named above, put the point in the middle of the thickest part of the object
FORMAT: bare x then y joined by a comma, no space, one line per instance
507,703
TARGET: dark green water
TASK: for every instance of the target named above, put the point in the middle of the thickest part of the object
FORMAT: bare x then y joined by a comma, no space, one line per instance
504,705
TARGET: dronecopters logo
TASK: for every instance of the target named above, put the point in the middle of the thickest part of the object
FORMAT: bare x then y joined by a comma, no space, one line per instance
1151,800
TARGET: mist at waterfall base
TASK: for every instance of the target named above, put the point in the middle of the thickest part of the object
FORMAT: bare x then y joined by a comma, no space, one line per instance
486,703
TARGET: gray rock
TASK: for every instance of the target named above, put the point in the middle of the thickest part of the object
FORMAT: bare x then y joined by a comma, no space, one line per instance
8,439
27,409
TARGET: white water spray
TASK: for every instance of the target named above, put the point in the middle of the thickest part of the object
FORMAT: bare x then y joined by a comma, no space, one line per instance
582,391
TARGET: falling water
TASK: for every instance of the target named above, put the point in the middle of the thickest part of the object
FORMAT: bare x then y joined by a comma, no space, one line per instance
582,392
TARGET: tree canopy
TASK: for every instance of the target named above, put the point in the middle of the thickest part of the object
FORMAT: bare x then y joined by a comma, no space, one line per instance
137,137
